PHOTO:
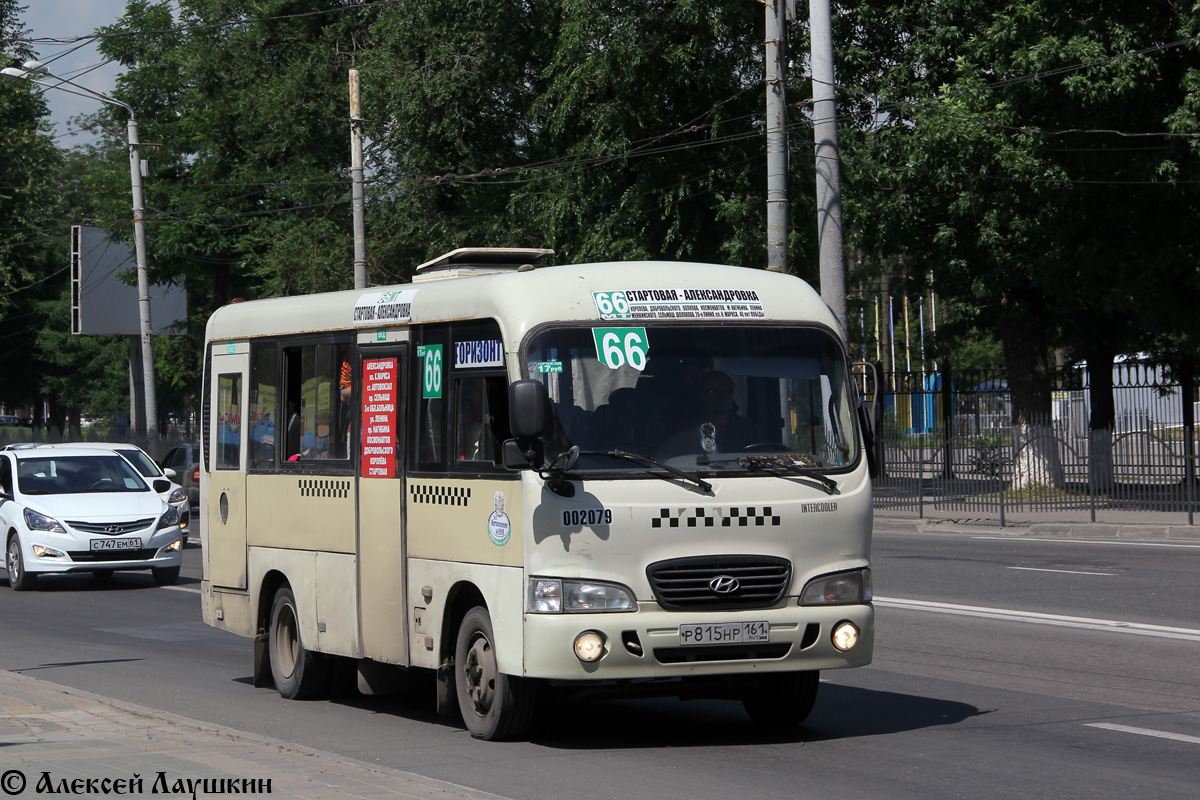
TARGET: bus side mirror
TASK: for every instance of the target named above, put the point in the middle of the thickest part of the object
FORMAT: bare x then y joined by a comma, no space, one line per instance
528,421
528,409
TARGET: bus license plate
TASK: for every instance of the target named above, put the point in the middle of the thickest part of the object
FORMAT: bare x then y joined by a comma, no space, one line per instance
116,544
725,633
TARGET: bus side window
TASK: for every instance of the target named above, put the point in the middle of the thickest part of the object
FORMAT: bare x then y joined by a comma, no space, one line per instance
264,400
317,420
430,382
481,418
229,421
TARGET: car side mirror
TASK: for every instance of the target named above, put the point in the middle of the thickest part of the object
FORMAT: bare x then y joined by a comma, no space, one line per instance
170,473
161,485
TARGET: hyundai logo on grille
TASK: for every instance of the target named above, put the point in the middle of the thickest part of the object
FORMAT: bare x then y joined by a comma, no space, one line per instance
112,528
723,584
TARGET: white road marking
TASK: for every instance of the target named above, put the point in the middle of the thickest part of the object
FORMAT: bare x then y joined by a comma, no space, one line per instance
1177,737
1067,571
181,589
1034,617
1085,541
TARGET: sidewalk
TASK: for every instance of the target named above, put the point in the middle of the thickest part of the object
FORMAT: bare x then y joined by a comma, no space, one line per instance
70,742
1132,525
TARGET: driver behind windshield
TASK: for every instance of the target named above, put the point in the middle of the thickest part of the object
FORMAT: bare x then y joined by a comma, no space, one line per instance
712,423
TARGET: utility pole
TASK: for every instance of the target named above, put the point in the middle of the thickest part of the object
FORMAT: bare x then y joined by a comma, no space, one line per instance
777,178
829,188
139,246
356,181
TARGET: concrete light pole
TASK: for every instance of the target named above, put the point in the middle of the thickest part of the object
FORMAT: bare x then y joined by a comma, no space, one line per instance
829,187
777,157
28,73
356,181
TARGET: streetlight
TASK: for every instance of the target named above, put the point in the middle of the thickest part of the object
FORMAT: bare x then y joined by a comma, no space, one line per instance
27,73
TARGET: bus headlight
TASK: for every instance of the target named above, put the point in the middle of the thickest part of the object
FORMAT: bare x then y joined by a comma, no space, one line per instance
839,589
573,596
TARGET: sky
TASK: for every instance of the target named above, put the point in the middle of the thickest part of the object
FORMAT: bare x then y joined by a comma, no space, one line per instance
64,19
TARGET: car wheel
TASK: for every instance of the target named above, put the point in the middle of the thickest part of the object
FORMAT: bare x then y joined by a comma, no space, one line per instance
299,673
783,699
18,578
493,705
165,576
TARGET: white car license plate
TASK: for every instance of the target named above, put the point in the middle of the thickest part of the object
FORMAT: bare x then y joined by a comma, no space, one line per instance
116,544
725,633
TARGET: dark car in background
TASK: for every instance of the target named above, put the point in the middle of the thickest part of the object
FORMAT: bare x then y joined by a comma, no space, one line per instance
185,461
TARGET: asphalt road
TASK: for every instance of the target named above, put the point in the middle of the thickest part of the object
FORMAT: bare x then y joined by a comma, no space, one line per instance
1005,668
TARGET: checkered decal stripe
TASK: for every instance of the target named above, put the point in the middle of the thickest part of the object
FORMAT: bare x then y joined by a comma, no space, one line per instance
734,517
440,495
314,487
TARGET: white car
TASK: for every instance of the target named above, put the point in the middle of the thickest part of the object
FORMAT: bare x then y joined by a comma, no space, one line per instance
144,464
77,509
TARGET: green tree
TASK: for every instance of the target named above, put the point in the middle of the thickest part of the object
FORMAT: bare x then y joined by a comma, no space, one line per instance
246,104
994,164
28,243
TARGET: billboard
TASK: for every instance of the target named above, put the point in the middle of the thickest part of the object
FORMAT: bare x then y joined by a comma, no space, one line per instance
102,304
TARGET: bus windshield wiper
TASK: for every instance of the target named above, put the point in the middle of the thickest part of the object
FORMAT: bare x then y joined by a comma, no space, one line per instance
704,485
781,465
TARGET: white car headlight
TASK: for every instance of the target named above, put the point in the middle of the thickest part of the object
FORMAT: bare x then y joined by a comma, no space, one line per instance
839,589
574,596
40,522
177,496
169,518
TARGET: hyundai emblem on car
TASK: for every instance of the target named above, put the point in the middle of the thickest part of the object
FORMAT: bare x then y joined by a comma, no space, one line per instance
723,584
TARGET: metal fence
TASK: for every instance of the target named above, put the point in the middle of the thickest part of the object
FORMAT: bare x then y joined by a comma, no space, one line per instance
948,447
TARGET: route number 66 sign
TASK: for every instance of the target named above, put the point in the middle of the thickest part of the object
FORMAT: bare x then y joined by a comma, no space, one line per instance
616,347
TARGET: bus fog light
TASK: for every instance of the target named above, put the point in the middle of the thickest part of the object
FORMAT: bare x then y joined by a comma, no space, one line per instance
589,646
845,636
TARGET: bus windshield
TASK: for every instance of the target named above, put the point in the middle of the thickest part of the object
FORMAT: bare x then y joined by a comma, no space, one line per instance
724,398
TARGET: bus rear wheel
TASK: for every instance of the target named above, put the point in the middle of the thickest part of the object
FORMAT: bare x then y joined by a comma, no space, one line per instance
783,699
494,706
299,673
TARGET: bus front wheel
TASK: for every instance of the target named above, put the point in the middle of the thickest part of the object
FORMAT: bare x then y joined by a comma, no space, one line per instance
783,699
493,705
298,672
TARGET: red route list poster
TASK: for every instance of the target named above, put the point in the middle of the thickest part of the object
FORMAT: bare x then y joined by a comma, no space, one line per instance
379,399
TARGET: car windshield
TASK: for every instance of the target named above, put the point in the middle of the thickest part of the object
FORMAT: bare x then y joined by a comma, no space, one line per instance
731,398
141,462
78,475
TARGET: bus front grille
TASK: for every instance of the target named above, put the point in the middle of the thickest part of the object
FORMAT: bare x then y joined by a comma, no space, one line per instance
719,582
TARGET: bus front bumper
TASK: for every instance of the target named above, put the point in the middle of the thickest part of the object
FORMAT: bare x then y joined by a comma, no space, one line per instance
653,643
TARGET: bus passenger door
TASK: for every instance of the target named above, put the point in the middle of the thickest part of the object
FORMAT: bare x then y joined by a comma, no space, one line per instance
225,525
379,385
